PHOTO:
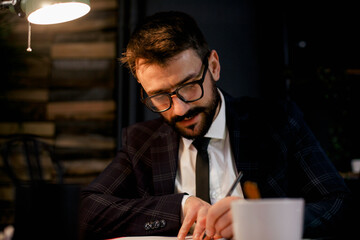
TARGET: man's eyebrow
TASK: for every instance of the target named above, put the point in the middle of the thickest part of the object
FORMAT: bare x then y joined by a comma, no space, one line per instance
187,78
183,81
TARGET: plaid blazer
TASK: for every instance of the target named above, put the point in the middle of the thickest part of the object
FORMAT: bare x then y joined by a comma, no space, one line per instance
271,144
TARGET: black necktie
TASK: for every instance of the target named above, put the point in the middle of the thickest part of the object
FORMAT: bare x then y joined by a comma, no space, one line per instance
202,168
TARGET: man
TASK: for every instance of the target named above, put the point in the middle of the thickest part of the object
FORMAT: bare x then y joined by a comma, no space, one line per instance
149,188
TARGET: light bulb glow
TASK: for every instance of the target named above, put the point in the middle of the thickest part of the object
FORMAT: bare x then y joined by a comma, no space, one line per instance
58,13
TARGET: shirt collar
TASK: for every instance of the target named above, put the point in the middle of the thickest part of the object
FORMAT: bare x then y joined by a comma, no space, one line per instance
218,126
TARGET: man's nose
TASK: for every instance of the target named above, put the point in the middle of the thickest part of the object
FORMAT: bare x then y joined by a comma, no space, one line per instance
179,107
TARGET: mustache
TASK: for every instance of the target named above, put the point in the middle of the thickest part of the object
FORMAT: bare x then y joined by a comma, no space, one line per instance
188,114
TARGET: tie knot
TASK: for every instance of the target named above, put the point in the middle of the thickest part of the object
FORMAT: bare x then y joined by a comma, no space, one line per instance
201,143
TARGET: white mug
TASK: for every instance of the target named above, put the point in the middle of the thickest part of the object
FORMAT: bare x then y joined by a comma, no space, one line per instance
268,219
355,165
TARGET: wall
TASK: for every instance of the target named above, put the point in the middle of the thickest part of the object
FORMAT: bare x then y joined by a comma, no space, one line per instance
62,91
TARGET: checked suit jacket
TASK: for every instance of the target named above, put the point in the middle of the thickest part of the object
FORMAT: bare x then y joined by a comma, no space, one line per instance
271,144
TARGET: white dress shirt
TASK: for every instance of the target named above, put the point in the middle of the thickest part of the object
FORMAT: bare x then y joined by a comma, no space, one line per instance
221,161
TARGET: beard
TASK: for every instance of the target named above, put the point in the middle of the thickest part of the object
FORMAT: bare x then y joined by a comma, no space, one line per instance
208,113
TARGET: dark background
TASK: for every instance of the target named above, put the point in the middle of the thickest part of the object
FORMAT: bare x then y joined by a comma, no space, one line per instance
305,50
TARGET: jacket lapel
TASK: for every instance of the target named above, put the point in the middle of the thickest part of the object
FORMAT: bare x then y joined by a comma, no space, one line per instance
164,152
242,137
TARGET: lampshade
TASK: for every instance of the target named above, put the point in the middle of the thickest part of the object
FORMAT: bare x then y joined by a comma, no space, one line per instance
54,11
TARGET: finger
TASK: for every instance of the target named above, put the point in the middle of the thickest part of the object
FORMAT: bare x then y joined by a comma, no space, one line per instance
191,208
216,212
223,222
200,223
190,213
226,232
189,220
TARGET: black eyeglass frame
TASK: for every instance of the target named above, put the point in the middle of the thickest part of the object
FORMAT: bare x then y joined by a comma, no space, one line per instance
205,63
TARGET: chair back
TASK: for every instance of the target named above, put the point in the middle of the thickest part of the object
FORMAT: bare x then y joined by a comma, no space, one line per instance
29,160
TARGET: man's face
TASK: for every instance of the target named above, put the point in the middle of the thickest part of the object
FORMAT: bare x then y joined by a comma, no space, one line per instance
193,119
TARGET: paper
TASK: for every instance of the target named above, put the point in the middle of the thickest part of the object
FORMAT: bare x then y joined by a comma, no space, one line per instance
149,238
167,238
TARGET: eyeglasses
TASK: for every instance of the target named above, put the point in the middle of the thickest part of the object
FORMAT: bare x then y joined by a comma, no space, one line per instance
189,92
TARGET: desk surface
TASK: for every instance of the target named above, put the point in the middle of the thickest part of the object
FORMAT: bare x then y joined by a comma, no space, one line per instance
174,238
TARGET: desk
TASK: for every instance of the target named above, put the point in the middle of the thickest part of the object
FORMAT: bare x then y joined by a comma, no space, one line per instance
187,238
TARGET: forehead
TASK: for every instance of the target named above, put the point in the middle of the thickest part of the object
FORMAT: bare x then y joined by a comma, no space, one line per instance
154,77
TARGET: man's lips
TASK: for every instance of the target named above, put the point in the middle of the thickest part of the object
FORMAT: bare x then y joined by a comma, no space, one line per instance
188,121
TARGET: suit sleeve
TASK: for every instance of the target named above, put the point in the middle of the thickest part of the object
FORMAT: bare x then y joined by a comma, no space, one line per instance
327,197
121,201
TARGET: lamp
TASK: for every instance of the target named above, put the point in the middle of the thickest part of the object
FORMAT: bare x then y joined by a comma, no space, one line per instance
55,11
48,11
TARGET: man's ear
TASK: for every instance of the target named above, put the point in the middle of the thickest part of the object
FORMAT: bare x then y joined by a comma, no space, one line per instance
214,65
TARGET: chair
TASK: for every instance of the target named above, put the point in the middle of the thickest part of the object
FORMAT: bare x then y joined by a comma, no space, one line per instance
45,207
24,158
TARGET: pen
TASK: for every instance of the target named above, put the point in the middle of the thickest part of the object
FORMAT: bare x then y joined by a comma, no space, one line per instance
233,186
231,190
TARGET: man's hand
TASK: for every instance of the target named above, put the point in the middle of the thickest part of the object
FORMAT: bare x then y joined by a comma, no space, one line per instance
195,210
219,219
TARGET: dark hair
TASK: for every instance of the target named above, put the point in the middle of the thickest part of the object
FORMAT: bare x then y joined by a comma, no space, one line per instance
162,36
